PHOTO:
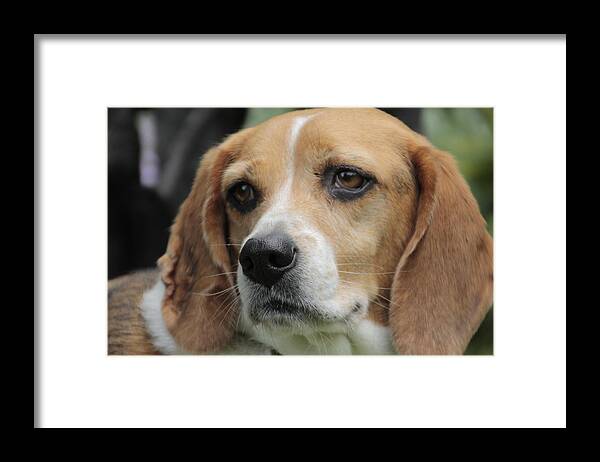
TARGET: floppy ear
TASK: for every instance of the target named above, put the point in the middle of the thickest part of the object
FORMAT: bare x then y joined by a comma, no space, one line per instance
199,305
442,287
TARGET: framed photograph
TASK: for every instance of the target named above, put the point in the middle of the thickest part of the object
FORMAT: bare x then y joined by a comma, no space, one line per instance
277,226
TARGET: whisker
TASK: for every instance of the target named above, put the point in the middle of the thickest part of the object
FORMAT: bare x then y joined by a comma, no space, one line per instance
360,284
237,321
376,296
384,307
387,299
358,263
225,301
353,272
220,274
229,308
208,294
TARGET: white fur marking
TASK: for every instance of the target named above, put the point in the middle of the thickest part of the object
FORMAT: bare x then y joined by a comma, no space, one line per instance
151,306
320,283
277,212
371,338
284,193
164,342
362,337
297,125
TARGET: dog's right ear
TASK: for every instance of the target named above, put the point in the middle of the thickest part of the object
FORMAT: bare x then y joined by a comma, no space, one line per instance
200,305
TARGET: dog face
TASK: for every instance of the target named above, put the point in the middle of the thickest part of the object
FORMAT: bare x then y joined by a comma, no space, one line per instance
318,217
316,220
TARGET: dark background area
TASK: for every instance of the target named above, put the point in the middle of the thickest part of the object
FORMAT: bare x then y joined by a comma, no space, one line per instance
153,154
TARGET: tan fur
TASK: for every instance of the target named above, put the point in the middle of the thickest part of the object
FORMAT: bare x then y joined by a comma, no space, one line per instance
443,284
417,239
196,268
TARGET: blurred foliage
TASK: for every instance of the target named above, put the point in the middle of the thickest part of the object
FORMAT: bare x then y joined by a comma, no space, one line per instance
466,133
258,115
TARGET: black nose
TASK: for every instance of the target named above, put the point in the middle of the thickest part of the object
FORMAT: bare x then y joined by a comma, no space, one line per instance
265,260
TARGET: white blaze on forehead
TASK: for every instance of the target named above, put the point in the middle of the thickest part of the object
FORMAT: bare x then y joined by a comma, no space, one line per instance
281,198
278,212
295,130
297,125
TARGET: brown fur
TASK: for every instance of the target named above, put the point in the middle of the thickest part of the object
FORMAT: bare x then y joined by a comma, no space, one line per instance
127,333
416,243
196,268
443,284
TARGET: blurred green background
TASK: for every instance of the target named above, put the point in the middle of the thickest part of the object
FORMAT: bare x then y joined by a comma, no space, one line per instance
467,133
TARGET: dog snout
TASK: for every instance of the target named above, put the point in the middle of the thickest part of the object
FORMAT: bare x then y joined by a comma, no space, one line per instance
266,259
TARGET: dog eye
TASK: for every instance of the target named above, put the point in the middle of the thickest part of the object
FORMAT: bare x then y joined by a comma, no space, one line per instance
243,193
349,179
347,183
242,196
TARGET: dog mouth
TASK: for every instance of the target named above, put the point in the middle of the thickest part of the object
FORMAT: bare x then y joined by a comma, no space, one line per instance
276,306
295,317
287,307
283,313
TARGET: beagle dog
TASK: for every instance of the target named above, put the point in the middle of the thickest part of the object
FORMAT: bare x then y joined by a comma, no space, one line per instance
323,231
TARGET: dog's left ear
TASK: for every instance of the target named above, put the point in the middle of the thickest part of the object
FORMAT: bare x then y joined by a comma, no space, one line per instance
199,306
442,287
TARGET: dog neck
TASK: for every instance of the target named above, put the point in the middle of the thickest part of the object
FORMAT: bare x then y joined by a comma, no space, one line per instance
363,337
357,338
